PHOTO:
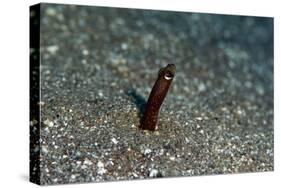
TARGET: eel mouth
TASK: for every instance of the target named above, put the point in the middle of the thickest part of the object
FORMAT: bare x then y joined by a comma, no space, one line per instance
169,71
168,76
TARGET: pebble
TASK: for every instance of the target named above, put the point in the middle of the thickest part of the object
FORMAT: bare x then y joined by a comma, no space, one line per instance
153,173
147,151
44,149
52,49
49,123
172,158
101,170
51,11
124,46
114,140
100,164
85,52
87,162
83,167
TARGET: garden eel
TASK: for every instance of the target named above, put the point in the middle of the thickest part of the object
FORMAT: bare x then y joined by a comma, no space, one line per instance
157,96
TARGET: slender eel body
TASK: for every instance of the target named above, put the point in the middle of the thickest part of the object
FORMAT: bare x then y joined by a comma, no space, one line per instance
157,96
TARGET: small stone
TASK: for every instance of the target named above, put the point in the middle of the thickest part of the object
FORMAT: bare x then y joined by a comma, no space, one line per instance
52,49
201,87
157,133
87,162
239,112
55,180
109,163
48,123
172,158
100,164
224,109
100,93
248,84
147,151
153,173
83,167
114,140
85,52
260,90
101,171
124,46
84,61
44,149
51,11
78,153
269,151
123,69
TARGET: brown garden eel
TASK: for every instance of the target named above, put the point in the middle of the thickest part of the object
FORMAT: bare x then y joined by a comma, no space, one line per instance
157,96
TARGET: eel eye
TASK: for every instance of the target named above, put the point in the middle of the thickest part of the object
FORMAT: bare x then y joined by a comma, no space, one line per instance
168,76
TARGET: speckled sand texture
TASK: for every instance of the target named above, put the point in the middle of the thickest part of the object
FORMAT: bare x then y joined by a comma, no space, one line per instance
98,66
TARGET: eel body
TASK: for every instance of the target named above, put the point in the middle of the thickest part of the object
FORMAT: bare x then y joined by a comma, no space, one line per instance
157,96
